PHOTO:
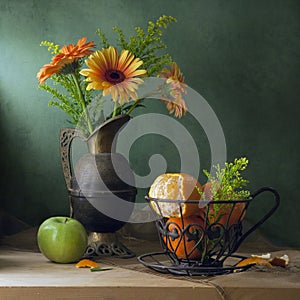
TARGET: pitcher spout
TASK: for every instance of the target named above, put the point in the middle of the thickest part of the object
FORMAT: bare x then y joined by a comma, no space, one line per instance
103,138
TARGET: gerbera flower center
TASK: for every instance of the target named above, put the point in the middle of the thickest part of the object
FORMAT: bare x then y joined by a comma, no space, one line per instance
114,76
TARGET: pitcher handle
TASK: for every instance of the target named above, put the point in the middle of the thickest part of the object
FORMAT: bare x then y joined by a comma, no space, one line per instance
66,137
268,215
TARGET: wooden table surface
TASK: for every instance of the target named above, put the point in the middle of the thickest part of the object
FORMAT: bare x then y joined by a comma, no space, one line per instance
26,274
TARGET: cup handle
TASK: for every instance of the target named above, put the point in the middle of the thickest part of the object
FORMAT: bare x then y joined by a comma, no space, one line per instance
269,213
67,135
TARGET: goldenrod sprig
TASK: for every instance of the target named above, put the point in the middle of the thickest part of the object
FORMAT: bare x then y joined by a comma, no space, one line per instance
228,182
52,48
145,44
65,103
105,43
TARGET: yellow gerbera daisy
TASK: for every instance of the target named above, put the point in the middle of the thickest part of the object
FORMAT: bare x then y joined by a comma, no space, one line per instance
114,74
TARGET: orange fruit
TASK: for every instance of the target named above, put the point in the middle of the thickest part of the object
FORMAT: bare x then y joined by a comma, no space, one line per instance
184,236
221,213
175,186
87,263
207,190
227,214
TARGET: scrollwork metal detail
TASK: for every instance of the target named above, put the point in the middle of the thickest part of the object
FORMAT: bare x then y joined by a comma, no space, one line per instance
66,137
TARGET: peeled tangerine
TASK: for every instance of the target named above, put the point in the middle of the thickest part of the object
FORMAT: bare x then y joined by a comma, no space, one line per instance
175,186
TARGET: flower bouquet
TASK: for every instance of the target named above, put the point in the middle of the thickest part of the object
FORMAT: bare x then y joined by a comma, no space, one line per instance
84,79
87,75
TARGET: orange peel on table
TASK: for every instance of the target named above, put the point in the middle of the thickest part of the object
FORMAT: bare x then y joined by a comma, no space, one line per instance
254,261
87,263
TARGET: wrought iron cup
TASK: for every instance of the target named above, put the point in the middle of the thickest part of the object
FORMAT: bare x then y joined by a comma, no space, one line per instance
201,244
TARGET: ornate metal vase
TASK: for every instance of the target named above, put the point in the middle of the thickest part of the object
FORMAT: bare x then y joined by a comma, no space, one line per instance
101,186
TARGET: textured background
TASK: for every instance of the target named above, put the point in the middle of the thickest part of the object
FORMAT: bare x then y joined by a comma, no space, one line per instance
241,56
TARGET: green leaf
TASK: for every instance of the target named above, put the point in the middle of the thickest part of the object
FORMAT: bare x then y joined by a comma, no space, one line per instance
100,269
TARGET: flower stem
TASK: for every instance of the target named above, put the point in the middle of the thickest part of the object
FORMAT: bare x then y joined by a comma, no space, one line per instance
83,104
134,106
115,109
151,94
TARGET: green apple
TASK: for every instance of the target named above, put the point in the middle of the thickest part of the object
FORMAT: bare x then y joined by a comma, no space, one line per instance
62,239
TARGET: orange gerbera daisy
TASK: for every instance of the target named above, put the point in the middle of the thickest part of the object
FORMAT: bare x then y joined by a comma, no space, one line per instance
49,69
73,52
172,74
114,74
68,55
175,88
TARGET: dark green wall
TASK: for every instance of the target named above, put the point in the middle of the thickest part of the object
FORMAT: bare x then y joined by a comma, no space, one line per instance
241,56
